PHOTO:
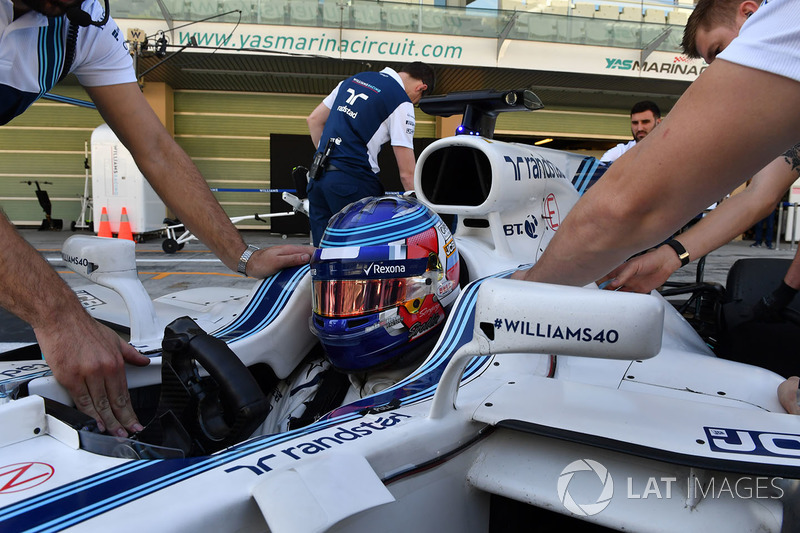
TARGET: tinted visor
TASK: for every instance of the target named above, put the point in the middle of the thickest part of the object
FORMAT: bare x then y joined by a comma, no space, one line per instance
355,297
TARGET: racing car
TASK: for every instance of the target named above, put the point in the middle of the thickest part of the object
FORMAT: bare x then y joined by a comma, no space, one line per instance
603,407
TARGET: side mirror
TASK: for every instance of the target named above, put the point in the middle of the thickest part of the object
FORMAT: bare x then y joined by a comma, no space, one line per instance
521,317
112,264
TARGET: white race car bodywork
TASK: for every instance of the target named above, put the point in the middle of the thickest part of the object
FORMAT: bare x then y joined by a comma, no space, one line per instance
529,387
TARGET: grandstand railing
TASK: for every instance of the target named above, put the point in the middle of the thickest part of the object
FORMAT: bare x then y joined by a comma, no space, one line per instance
619,24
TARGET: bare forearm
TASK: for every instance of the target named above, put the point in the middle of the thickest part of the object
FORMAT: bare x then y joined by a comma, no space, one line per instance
316,123
406,164
192,201
693,158
29,287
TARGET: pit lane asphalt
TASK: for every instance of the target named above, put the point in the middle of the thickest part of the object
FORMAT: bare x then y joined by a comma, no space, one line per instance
195,266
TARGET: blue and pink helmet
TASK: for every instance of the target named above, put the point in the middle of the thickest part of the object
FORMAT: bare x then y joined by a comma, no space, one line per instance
386,271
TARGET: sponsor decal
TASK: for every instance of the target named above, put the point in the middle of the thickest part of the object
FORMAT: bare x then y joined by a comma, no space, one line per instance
377,268
529,228
347,111
532,167
551,214
24,476
751,442
556,331
87,299
679,65
23,370
323,441
79,261
365,85
354,96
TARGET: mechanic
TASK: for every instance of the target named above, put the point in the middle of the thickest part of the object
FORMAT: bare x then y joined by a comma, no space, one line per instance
645,116
350,126
382,285
694,157
85,356
705,36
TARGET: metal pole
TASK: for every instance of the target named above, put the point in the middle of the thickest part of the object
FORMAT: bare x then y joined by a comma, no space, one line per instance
794,226
780,225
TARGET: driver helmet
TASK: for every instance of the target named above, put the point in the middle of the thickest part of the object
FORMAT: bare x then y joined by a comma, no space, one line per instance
386,271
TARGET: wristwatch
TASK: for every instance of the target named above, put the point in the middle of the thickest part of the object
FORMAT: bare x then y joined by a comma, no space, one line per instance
242,268
683,255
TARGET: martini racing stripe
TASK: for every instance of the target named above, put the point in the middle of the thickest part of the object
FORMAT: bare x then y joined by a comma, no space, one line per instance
269,300
589,171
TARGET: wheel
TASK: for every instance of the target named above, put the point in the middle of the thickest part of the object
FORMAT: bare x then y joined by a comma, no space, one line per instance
72,225
181,245
170,246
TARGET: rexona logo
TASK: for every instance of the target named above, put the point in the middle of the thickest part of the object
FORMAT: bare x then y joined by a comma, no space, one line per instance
582,485
376,268
678,66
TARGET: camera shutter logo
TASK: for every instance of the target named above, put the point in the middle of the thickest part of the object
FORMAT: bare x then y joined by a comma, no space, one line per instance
585,509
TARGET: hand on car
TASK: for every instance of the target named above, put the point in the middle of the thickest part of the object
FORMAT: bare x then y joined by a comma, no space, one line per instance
88,359
268,261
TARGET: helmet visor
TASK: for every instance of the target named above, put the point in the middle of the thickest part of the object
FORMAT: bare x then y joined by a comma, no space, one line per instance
354,297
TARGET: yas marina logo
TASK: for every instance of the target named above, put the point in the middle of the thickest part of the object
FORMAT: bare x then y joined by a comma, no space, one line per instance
576,492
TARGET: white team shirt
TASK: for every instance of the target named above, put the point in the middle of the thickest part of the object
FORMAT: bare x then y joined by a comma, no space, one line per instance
769,40
101,55
616,152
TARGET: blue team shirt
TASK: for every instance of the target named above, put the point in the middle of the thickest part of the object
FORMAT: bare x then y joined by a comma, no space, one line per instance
362,104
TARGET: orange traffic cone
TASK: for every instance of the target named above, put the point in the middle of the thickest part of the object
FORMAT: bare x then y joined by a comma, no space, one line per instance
104,230
125,227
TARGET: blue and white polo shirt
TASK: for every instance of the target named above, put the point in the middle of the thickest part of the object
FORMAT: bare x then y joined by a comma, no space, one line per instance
33,51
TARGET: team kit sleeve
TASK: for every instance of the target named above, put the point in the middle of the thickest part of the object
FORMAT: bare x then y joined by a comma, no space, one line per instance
402,124
102,56
328,101
769,40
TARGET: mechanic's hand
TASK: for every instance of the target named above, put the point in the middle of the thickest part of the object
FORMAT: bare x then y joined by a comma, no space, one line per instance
88,359
643,273
770,307
267,261
787,395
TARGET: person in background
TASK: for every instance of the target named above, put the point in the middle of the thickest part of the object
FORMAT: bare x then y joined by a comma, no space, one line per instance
645,116
695,156
349,128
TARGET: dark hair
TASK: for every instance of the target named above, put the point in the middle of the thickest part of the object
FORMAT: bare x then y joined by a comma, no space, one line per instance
422,72
707,14
646,105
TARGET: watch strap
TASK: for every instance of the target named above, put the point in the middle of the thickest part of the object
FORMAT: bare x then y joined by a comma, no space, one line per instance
683,255
242,268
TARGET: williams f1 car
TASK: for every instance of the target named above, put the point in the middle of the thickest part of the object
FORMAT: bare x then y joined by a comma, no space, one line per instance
534,400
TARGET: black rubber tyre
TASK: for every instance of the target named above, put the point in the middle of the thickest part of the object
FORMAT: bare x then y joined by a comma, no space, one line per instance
170,246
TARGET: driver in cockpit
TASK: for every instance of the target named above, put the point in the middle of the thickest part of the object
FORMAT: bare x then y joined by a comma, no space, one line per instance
383,281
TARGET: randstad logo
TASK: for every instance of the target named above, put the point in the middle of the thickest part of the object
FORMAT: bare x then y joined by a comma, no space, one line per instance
585,487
